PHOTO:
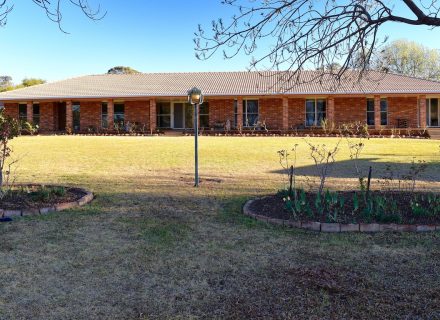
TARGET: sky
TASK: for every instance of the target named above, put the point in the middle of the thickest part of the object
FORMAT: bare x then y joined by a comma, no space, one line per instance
147,35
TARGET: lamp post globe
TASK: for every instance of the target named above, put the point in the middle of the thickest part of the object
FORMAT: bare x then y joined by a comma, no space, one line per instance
195,97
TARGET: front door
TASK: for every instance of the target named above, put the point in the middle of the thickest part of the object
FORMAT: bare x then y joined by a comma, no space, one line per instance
61,125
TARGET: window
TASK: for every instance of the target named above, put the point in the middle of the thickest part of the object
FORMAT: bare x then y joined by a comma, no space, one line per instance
104,115
383,112
370,112
163,114
119,115
432,112
22,112
250,113
315,112
76,108
204,115
36,114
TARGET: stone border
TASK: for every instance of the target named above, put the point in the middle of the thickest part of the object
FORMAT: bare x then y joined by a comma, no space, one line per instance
86,199
338,227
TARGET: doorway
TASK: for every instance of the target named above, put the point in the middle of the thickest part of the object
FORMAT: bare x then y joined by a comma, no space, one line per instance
61,115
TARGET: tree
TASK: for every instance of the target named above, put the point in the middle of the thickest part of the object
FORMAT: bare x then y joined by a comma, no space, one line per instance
409,58
5,82
122,70
29,82
53,10
9,129
294,35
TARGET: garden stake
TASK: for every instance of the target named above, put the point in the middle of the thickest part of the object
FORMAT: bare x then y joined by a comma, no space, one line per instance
291,182
368,183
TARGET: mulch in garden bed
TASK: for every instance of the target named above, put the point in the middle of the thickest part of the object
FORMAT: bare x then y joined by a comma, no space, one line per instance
36,196
274,206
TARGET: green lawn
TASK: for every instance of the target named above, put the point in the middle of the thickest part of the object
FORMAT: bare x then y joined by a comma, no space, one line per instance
151,246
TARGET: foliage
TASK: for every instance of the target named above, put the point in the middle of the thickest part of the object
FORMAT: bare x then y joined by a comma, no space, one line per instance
9,129
122,70
27,82
411,59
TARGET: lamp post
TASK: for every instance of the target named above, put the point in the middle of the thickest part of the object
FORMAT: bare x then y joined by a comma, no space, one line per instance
195,97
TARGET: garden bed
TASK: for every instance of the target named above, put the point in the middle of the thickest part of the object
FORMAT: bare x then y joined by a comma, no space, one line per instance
39,199
333,212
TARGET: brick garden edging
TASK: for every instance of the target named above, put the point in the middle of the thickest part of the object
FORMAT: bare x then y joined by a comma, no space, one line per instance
338,227
87,198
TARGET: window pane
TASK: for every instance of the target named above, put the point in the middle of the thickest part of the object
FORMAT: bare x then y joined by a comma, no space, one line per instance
36,109
204,121
383,112
310,106
434,113
252,106
76,108
384,105
104,108
370,118
119,108
22,112
252,119
310,119
204,108
370,105
321,116
164,121
164,108
321,106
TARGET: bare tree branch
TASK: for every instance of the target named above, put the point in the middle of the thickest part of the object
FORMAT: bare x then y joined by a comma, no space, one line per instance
294,35
53,10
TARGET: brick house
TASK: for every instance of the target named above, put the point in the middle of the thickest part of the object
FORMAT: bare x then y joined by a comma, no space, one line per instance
239,99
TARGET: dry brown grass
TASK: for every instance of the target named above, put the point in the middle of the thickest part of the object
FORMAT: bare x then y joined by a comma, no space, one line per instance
151,246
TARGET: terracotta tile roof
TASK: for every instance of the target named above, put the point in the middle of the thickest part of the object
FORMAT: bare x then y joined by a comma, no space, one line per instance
219,84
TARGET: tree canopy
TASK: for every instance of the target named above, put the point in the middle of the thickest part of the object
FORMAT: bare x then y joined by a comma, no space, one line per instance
7,85
293,35
122,70
409,58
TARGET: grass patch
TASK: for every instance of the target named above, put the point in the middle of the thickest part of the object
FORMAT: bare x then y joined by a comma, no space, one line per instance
152,246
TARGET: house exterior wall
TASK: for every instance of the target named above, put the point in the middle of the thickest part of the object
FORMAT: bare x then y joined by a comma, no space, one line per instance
138,112
404,108
296,112
351,109
271,113
279,113
11,109
47,118
90,115
221,110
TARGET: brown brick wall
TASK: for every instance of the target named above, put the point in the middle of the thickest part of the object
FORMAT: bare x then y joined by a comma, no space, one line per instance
221,111
350,110
297,112
90,115
138,111
402,108
271,111
47,119
11,109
